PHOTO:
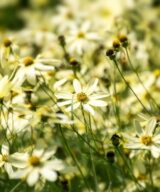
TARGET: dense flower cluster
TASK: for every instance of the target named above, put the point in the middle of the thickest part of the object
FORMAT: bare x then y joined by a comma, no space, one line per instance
79,96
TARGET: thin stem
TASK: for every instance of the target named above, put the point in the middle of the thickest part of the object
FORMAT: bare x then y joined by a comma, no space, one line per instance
16,186
139,187
130,87
73,157
90,151
135,71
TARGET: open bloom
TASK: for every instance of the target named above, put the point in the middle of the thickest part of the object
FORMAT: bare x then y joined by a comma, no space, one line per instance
37,164
29,67
6,160
83,96
81,39
145,139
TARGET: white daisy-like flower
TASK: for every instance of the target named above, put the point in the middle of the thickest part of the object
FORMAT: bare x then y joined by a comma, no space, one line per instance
81,39
37,164
83,96
29,67
8,52
6,160
145,138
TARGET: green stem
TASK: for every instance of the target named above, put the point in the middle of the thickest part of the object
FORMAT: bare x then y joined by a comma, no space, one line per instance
135,71
90,151
130,87
139,187
73,156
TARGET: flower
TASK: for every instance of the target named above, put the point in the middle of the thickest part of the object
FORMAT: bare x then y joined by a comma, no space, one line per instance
145,139
37,164
6,160
83,96
29,67
81,39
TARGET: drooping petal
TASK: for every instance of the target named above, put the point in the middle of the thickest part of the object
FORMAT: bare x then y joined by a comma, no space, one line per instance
155,151
8,168
31,75
73,107
89,109
33,177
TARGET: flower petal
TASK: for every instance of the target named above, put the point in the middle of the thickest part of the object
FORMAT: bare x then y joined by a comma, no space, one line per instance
89,109
77,86
48,174
97,103
92,88
33,177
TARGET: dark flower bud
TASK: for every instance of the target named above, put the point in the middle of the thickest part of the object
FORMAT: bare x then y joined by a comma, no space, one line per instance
124,40
62,41
73,62
115,140
116,45
7,42
106,82
111,54
110,156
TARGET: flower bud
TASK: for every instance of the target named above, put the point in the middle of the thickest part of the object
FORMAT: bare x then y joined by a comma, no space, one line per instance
62,41
7,42
110,156
115,140
111,54
116,45
124,40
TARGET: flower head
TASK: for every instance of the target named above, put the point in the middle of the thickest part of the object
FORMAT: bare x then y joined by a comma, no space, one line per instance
145,139
83,96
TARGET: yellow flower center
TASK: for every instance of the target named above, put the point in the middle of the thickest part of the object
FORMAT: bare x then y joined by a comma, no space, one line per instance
34,161
69,15
146,140
28,61
82,97
80,35
5,158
